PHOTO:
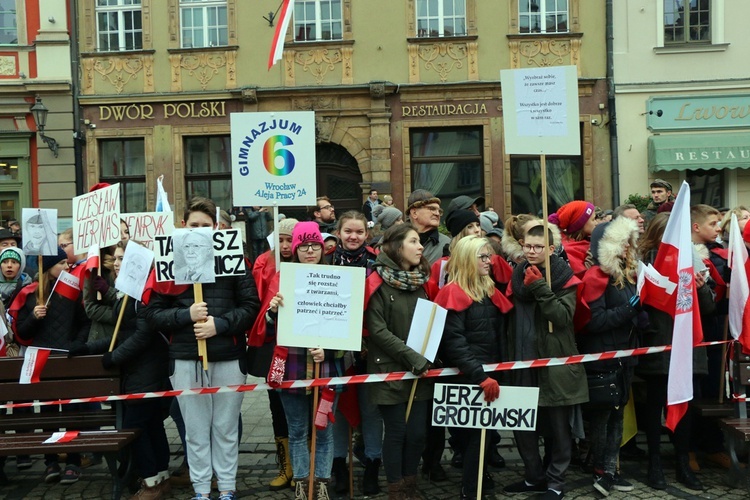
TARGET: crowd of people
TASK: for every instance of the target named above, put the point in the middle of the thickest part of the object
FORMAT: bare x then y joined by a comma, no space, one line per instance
518,290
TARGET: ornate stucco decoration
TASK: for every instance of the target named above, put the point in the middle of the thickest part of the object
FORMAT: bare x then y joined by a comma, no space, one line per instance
319,61
118,71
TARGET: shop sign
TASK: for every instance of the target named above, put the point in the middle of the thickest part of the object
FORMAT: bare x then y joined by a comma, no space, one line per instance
698,112
167,110
443,109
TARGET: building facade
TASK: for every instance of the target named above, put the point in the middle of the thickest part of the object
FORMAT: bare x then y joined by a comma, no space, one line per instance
682,88
35,62
406,94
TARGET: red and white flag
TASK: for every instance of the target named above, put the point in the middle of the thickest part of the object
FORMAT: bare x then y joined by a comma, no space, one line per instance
674,260
61,437
33,363
67,286
277,46
739,307
92,260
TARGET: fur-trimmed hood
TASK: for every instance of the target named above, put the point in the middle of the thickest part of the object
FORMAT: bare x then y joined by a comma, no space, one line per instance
512,248
608,242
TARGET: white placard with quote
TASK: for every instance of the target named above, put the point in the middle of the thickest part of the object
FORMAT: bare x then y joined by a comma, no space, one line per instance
323,306
540,111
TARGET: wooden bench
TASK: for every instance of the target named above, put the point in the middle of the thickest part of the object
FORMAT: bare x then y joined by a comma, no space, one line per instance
64,378
737,429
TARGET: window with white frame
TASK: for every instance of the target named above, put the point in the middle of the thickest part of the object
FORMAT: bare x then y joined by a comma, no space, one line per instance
203,23
8,23
118,25
543,16
318,20
687,21
438,18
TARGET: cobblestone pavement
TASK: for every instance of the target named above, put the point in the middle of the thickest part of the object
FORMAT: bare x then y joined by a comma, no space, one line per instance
257,467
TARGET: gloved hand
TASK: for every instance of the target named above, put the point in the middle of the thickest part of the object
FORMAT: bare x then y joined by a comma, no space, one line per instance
78,349
100,285
635,302
491,389
325,408
531,275
107,361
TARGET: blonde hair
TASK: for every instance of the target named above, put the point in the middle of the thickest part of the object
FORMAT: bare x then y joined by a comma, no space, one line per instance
725,222
462,268
461,235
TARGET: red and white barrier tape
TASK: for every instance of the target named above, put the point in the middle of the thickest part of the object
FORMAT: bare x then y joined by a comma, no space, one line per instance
367,378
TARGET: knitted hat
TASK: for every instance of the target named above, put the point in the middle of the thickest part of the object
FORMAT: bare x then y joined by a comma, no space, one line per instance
48,261
464,202
306,232
421,197
459,219
388,216
485,222
329,236
14,253
572,216
287,226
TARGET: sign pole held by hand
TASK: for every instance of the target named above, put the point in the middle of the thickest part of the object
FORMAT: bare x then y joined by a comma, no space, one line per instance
41,282
119,322
424,349
202,351
481,463
545,214
313,431
276,244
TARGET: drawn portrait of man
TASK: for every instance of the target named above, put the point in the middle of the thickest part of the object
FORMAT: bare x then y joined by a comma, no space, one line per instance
40,231
136,264
193,256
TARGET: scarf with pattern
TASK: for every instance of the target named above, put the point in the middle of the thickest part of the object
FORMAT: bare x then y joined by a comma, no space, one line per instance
400,279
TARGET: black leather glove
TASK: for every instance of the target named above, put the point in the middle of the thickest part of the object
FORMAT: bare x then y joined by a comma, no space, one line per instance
107,361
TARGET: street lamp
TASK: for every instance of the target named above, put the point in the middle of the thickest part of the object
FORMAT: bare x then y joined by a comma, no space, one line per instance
40,112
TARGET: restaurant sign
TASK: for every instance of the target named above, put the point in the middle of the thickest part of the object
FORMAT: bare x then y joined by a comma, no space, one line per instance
717,111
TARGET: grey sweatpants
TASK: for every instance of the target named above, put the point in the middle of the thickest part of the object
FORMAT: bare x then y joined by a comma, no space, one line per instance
210,422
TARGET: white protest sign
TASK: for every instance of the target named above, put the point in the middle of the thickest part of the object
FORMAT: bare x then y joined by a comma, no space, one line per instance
193,252
136,264
144,227
418,330
39,231
323,306
229,259
96,219
273,158
540,110
463,405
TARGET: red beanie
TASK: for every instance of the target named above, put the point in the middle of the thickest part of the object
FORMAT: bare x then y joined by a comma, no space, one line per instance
572,216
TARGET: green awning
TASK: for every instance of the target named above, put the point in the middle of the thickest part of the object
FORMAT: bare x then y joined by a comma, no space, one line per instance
698,151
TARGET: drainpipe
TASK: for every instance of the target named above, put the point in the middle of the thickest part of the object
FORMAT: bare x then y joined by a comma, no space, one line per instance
611,106
75,69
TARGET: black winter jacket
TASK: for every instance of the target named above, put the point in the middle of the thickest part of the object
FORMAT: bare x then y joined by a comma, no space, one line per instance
232,301
64,324
471,338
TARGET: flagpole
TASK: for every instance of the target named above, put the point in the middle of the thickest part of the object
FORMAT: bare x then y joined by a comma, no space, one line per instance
119,322
722,377
545,223
424,349
276,244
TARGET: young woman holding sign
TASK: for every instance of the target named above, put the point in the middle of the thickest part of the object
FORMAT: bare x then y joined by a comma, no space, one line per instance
399,280
472,336
297,363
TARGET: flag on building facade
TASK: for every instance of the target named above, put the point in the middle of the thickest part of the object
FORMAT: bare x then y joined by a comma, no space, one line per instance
277,45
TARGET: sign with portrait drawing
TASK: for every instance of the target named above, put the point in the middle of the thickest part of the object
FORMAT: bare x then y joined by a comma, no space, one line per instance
228,256
39,231
136,264
193,256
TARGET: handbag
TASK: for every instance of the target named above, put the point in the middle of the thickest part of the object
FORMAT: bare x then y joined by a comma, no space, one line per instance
605,389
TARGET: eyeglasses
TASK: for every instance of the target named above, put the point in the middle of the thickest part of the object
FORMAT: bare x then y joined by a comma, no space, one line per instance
534,248
327,207
484,257
434,209
306,247
63,246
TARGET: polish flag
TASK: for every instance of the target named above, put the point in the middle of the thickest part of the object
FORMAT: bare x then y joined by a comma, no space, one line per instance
162,201
739,306
66,286
277,46
33,363
674,261
92,260
61,437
